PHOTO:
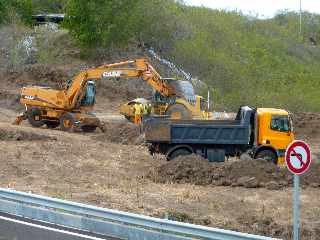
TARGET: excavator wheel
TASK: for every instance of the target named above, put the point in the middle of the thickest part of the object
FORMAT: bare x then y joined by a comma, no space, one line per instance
178,111
52,124
88,128
67,122
34,117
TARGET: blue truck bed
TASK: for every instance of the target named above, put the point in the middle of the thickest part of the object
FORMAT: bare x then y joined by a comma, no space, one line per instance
213,132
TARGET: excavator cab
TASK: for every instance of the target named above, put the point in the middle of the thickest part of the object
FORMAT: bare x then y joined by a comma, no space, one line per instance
183,89
90,95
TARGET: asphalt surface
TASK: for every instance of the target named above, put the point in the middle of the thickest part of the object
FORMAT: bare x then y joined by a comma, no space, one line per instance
19,228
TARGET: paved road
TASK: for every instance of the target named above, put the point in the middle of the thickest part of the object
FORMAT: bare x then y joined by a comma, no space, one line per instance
17,228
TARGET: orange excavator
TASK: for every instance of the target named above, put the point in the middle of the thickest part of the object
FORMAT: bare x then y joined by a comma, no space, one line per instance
73,107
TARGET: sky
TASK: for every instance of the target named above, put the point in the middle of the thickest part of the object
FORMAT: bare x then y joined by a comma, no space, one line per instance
264,8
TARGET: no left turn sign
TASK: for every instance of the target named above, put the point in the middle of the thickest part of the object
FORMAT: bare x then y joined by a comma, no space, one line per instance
298,160
298,157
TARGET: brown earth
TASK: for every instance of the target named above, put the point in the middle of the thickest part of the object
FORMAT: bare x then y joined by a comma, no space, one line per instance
114,169
9,134
245,173
307,124
120,132
77,167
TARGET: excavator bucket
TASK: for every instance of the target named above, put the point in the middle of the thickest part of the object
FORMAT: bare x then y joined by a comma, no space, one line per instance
19,119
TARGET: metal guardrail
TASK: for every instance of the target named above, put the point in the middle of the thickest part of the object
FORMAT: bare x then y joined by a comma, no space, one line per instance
111,223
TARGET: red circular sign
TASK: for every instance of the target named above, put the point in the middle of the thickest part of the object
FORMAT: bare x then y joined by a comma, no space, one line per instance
298,157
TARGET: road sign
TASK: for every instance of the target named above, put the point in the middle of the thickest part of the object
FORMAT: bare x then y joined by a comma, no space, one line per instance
298,160
298,157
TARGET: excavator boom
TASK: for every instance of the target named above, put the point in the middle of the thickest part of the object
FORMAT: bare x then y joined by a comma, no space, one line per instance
127,69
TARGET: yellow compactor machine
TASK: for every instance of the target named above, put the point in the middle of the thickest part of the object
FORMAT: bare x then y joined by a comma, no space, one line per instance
73,107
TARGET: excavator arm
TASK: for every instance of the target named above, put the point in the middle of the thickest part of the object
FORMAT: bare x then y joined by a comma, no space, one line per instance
128,69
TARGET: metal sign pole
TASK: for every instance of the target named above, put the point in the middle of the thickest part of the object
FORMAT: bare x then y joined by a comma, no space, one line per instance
297,152
296,203
300,19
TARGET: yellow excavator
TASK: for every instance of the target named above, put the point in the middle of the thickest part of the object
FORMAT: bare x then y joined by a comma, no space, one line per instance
73,107
181,104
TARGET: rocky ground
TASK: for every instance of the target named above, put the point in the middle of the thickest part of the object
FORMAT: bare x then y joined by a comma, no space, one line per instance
114,169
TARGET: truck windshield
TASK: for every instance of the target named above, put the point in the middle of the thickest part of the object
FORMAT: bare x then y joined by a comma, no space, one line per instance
280,123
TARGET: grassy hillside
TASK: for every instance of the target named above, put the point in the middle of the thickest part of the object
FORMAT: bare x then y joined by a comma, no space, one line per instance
251,61
242,59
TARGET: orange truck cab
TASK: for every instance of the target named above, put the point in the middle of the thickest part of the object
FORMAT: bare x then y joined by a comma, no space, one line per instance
274,131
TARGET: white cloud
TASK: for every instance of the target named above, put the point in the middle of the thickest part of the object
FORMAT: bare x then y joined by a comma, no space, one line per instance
266,8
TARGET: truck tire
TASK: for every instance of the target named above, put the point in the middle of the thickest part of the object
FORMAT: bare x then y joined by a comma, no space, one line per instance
34,118
178,111
178,152
67,122
267,155
88,128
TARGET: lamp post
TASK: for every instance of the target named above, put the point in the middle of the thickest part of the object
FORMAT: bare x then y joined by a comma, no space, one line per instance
300,19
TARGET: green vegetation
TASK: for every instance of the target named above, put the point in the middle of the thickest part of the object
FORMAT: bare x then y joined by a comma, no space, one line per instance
48,6
16,10
251,61
244,60
100,22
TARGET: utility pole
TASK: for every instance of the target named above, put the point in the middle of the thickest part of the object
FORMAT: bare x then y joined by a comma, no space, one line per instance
300,19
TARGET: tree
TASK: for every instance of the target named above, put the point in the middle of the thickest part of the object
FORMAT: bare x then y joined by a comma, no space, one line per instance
12,9
101,22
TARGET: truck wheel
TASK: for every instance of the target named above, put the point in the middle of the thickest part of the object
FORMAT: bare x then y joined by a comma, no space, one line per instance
179,152
52,124
178,111
88,128
34,118
267,155
67,122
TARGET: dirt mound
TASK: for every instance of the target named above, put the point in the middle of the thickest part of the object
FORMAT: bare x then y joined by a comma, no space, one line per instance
246,173
189,169
124,89
10,100
37,74
306,124
124,133
19,135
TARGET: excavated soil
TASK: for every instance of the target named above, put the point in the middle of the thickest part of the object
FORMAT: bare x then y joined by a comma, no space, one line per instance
123,133
10,100
306,124
123,89
37,74
19,135
245,173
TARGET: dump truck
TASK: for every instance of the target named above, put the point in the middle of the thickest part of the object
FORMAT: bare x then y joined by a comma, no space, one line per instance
263,133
